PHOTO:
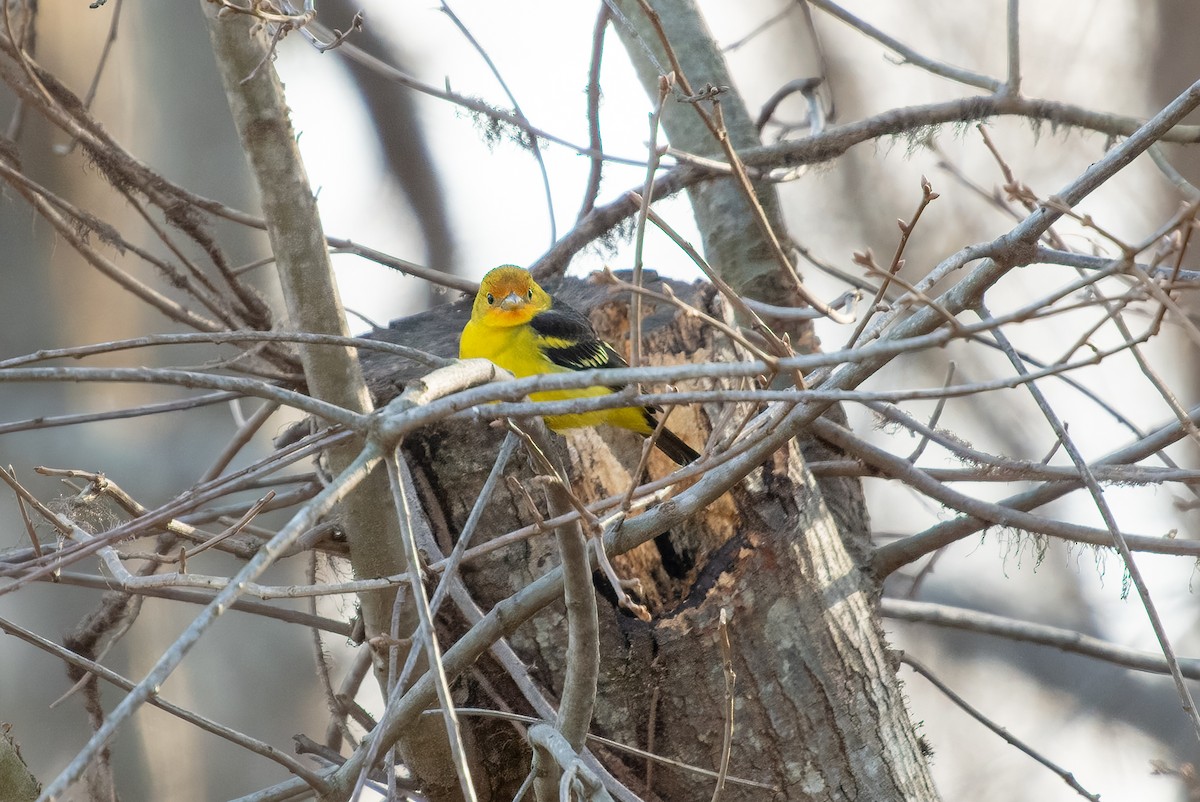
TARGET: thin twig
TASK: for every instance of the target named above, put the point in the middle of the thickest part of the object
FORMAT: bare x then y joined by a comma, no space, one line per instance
240,439
238,526
1122,545
1065,775
223,337
520,115
730,678
449,566
29,530
933,419
777,346
1067,640
639,238
768,232
906,230
908,54
595,142
1012,86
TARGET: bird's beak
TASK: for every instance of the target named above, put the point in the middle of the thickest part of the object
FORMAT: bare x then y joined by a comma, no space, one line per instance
512,301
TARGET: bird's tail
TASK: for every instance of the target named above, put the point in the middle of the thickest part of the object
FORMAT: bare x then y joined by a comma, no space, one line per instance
680,452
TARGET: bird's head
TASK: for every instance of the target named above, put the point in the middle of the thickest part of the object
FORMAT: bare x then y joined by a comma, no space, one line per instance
508,296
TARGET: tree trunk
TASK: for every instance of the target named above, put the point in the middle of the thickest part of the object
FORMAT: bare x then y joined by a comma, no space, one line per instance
818,709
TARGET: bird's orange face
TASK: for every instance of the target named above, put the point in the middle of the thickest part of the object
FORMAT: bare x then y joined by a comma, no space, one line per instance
508,296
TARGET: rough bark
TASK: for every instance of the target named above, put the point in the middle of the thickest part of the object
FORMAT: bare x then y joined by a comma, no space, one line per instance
819,711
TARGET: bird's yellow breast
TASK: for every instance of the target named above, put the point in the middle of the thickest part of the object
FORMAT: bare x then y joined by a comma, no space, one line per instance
514,348
518,349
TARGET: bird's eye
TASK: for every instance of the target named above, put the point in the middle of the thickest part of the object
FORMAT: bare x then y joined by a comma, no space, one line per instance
491,299
529,294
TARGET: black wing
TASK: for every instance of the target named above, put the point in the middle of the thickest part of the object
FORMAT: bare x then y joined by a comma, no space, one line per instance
569,341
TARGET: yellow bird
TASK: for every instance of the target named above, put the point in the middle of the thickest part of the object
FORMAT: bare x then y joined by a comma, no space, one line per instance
521,328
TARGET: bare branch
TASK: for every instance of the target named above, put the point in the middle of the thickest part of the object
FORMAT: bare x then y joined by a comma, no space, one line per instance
1066,776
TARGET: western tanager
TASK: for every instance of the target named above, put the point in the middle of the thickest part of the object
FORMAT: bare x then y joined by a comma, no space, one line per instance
521,328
